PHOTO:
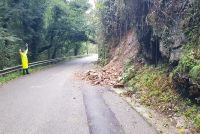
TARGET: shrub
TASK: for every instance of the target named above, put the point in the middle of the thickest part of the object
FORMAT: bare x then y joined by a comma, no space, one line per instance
197,122
186,63
128,72
195,72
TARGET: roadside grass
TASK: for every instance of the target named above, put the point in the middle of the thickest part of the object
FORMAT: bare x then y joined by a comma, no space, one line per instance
154,88
6,78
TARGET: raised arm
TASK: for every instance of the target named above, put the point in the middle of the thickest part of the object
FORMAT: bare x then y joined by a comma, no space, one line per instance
20,51
26,48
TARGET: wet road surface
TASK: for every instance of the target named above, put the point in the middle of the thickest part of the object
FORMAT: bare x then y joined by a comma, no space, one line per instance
52,101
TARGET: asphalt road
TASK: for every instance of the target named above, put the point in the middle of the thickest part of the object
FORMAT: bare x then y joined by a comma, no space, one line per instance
52,101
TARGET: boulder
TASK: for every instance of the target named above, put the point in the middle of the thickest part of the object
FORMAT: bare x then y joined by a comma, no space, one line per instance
186,86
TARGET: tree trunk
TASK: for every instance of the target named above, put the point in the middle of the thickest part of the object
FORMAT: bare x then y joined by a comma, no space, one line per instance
54,53
75,51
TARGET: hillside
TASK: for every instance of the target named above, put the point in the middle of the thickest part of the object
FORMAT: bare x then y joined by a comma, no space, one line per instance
164,34
152,47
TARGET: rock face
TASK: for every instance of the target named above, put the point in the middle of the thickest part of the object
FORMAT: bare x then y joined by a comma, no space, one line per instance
160,28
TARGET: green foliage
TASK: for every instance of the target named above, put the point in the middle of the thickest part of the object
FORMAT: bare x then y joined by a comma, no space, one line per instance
192,23
189,113
88,48
197,121
66,26
188,61
186,64
103,54
52,28
9,77
192,113
112,19
128,73
103,61
155,89
195,72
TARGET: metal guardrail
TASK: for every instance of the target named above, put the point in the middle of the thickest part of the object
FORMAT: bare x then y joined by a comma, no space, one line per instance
33,64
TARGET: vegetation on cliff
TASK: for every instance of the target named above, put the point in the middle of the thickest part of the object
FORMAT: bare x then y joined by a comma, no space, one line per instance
167,32
166,70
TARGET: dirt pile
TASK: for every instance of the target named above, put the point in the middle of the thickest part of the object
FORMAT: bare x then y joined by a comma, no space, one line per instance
110,74
104,77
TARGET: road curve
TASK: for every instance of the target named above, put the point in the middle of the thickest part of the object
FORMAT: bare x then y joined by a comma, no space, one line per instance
53,102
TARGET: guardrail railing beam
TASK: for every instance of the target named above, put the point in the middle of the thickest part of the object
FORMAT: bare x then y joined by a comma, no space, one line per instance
33,64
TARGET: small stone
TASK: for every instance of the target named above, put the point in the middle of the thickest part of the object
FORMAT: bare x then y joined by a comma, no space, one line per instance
113,82
180,123
104,70
115,74
165,125
118,85
150,115
97,82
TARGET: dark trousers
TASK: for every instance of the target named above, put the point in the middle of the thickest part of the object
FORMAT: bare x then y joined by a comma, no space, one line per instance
25,71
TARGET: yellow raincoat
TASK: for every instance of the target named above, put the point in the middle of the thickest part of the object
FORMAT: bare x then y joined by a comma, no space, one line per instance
24,59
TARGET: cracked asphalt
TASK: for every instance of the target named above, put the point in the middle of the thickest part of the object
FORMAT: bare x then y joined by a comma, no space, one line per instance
52,101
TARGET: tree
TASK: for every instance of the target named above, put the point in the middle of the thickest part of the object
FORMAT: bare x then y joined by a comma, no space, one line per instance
51,28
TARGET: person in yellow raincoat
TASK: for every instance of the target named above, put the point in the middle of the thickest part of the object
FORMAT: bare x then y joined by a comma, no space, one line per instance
24,59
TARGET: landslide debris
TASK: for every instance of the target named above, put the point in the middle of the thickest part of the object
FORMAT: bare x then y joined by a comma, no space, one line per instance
110,75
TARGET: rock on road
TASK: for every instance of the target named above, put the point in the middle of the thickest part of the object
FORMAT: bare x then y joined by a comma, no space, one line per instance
51,101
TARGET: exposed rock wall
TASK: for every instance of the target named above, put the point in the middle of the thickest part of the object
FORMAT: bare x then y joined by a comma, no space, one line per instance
159,26
161,29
